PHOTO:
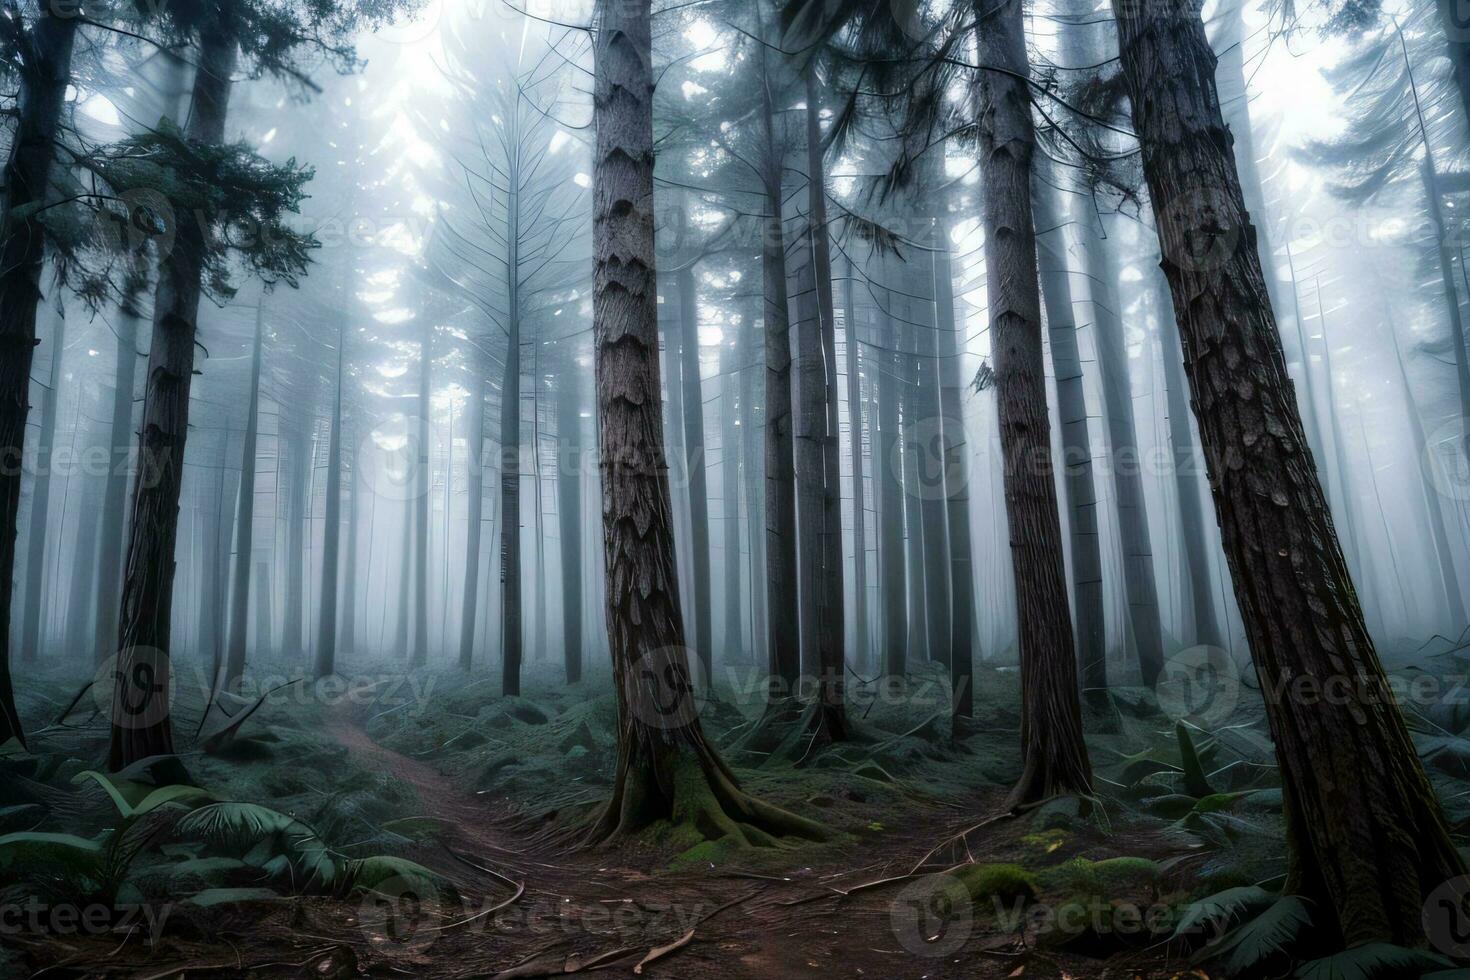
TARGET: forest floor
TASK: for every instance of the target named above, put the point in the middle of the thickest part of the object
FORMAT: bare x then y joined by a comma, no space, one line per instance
488,794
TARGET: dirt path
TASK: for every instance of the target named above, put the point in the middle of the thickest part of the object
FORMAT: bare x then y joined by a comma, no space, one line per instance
529,907
590,907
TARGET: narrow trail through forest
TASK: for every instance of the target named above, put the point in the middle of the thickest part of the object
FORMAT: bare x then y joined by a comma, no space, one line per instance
596,910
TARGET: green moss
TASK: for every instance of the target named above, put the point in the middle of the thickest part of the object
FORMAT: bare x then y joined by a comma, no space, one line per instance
710,853
1007,882
1115,876
1216,802
1044,841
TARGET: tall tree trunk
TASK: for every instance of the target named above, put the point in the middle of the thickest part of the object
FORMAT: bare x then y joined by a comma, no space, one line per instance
666,770
510,486
818,467
1367,837
783,622
925,437
889,471
245,522
752,479
569,510
696,467
1235,106
1089,42
22,254
1434,502
860,641
1139,583
210,563
79,626
405,577
913,517
1186,456
32,630
347,628
326,636
475,515
732,634
956,450
115,496
1446,259
424,475
264,614
1055,758
298,509
542,580
141,724
1079,484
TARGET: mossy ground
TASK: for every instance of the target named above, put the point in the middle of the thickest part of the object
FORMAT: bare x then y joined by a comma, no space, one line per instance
1169,822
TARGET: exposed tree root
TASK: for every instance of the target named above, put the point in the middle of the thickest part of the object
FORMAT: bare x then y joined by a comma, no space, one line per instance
685,786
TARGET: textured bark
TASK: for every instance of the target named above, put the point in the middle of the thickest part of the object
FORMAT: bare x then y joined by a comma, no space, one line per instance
1367,836
1079,485
666,770
696,467
37,537
569,510
245,523
1195,559
1055,758
1230,75
326,636
469,605
22,254
141,723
